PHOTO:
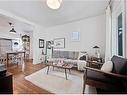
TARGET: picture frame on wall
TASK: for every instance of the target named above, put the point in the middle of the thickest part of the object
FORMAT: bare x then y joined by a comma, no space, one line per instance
49,44
59,43
75,36
41,43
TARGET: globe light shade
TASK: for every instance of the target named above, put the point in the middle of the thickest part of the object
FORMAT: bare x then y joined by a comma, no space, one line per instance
54,4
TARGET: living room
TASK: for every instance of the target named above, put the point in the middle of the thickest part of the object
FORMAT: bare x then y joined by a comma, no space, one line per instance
78,44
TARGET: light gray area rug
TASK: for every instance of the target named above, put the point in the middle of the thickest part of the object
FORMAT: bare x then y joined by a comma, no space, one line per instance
55,81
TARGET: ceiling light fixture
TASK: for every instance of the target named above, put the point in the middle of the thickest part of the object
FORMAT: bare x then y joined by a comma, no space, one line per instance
12,30
54,4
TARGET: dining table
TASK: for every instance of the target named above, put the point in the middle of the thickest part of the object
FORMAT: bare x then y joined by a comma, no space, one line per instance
14,52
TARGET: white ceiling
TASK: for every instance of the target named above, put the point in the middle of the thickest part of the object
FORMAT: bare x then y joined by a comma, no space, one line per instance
18,25
38,12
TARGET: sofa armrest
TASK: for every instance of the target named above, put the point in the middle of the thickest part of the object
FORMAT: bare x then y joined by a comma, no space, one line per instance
120,76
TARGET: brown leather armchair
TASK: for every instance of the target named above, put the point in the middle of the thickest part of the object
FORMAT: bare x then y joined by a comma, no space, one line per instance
109,82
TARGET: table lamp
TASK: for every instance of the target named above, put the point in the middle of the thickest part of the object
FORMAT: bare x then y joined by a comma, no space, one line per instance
97,51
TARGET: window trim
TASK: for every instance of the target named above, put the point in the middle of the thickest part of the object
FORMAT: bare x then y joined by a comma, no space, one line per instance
115,13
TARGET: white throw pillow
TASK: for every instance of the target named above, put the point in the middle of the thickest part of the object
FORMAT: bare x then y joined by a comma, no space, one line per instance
107,66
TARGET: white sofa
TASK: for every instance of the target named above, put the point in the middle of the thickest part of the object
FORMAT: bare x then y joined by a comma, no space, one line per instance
69,57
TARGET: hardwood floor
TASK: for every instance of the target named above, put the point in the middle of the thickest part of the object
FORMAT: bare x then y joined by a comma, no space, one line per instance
22,86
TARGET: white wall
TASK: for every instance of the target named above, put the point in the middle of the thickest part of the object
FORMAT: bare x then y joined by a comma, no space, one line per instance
38,33
92,32
4,33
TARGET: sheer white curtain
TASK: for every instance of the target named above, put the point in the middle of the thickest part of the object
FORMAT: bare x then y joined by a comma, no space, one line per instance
108,34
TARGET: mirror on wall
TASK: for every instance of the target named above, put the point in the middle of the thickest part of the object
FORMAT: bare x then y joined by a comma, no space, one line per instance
49,50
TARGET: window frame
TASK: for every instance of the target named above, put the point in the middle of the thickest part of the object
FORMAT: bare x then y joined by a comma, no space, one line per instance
120,8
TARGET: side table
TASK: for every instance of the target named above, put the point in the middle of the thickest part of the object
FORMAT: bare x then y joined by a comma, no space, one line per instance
6,84
94,64
97,59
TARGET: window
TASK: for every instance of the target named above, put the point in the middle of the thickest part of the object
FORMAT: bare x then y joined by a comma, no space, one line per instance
118,29
120,35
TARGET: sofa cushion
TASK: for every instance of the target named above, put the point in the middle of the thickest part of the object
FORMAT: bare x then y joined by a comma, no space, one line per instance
94,75
119,65
71,61
124,70
107,66
56,54
65,54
